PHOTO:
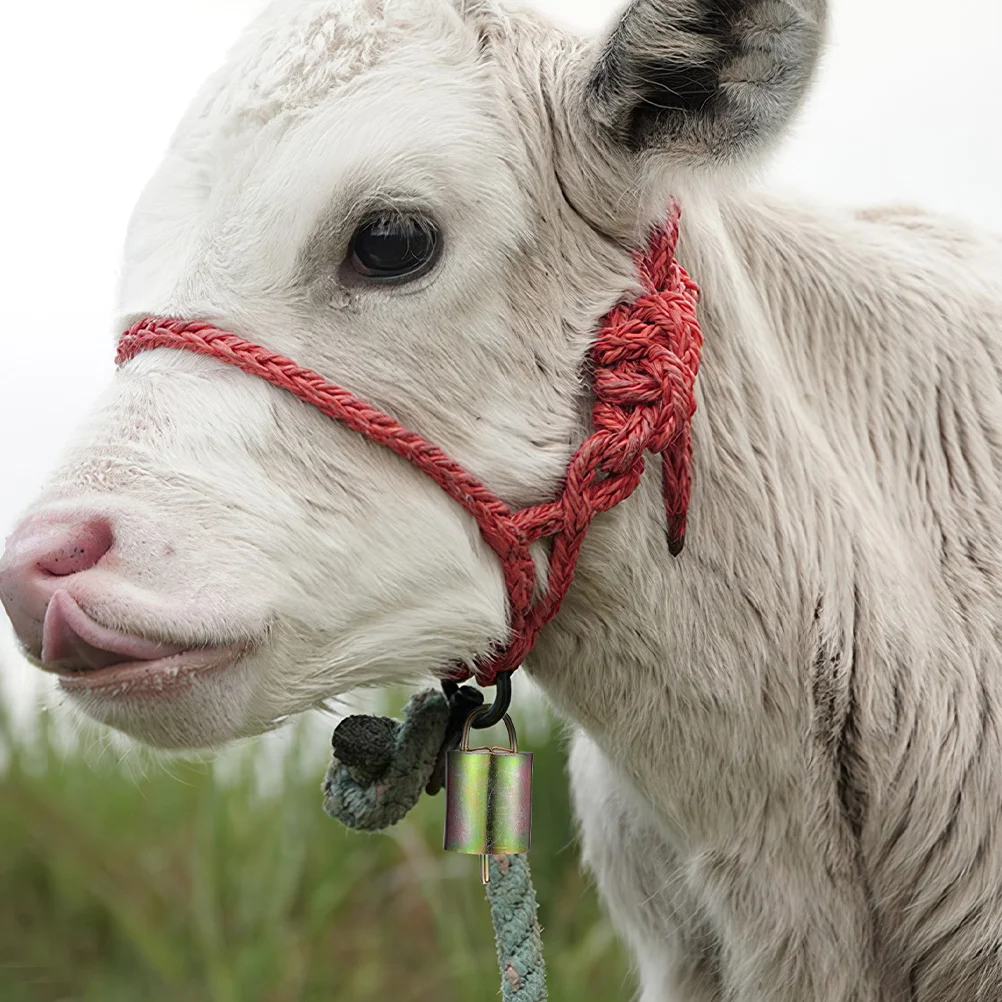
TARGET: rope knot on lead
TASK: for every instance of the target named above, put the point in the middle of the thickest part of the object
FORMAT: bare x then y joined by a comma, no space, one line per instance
378,771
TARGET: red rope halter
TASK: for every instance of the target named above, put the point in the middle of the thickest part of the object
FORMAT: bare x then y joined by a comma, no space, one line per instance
645,359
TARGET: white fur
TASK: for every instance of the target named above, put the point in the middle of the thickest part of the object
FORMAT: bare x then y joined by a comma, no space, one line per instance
789,739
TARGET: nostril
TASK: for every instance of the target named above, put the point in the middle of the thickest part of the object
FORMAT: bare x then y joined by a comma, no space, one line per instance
79,548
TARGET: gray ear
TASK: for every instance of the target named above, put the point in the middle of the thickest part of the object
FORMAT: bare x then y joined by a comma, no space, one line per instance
709,80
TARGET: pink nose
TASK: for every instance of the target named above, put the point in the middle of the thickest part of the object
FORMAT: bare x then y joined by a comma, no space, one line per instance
40,558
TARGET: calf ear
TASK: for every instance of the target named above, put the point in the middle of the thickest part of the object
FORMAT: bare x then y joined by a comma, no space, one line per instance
704,81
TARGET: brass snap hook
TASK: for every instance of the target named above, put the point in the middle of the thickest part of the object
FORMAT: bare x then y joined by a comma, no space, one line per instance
488,796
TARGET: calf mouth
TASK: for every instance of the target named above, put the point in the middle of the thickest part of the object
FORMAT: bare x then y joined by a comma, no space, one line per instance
89,657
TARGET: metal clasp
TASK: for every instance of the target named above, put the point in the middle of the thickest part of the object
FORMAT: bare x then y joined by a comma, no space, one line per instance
488,797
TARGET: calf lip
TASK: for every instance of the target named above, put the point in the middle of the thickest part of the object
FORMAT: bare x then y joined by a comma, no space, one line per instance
163,677
89,657
74,641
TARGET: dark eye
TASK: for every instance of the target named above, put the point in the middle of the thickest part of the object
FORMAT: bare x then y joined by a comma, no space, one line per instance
394,247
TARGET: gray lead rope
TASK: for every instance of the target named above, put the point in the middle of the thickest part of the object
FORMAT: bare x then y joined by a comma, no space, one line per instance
379,770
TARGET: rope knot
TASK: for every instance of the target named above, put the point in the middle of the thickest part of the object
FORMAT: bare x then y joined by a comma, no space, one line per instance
646,359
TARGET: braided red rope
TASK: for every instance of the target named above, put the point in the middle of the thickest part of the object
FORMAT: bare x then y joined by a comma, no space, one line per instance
645,360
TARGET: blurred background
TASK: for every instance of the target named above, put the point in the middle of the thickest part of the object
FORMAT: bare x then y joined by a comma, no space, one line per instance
127,877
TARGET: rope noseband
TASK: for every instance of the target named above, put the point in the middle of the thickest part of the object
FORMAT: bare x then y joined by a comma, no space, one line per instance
644,365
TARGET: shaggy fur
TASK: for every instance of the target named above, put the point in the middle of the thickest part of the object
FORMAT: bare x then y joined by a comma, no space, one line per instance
790,738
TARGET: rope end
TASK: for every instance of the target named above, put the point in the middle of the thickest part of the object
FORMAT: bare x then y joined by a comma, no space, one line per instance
675,533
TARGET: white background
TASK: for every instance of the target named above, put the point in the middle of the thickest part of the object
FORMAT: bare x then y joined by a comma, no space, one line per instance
908,109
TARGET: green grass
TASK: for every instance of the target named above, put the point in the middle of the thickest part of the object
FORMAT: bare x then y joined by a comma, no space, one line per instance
181,886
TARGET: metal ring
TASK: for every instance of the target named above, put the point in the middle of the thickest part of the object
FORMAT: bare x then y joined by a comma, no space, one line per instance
464,745
489,716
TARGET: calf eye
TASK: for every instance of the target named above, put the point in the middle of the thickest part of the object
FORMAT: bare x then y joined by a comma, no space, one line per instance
394,248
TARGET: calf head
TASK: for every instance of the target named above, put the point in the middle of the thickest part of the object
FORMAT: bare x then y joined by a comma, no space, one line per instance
431,202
